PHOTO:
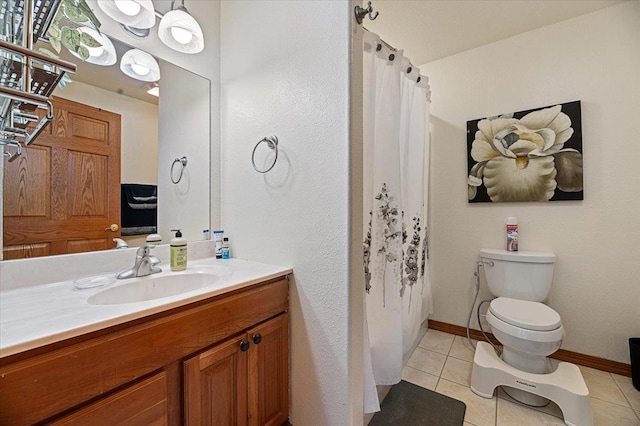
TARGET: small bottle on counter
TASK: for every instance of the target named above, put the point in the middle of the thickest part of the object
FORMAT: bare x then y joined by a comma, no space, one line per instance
217,236
226,248
153,239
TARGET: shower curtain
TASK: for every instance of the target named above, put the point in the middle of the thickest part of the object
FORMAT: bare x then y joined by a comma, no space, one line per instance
396,109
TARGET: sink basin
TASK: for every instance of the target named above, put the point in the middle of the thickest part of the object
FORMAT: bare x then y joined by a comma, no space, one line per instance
153,287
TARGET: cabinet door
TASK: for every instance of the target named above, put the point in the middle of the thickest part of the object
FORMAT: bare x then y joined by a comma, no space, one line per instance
143,403
216,385
269,372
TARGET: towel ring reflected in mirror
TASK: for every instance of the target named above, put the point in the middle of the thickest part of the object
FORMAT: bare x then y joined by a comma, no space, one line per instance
183,164
272,143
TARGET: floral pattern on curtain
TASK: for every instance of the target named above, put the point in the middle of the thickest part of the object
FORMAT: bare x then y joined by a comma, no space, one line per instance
395,153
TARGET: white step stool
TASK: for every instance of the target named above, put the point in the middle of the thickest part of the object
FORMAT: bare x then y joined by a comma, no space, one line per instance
565,386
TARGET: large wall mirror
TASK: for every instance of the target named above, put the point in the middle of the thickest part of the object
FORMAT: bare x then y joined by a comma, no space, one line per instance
55,180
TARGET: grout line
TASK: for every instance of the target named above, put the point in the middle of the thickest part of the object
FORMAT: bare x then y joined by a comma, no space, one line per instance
624,395
451,344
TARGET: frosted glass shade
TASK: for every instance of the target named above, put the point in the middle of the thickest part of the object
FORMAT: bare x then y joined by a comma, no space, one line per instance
180,31
133,13
140,65
104,55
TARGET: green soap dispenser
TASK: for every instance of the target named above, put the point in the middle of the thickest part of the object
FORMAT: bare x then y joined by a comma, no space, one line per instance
178,252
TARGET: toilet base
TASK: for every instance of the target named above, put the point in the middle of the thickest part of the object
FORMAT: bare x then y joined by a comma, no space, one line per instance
565,386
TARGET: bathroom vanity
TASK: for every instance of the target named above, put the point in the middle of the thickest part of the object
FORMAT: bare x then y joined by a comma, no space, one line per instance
215,355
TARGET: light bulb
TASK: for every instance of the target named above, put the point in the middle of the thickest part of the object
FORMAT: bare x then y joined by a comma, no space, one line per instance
128,7
181,35
140,69
95,52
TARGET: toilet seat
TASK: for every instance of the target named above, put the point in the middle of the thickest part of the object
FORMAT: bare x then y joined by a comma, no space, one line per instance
532,321
523,313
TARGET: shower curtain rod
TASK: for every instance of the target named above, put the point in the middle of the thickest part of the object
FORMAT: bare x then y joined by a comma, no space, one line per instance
390,47
360,14
387,45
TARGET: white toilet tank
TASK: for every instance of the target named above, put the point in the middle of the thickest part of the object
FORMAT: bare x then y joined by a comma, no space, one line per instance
523,275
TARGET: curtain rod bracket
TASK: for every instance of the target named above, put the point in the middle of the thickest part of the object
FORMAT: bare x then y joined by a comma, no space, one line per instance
361,12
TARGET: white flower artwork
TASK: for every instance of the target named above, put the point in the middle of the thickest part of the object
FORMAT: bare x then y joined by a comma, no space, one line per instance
533,155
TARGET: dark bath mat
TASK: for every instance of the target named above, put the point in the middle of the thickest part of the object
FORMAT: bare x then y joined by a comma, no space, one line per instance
410,405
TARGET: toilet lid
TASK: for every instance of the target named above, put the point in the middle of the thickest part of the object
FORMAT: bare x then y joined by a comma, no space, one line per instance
528,315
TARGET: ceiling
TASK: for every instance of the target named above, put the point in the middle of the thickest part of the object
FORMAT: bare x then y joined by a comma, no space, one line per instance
426,29
433,29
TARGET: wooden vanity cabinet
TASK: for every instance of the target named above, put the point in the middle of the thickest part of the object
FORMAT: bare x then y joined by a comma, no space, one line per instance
169,368
242,381
143,403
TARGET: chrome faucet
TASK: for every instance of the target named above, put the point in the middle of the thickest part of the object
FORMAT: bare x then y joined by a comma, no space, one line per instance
145,265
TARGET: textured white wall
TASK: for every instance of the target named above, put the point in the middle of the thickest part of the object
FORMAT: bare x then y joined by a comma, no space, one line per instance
139,129
285,71
596,59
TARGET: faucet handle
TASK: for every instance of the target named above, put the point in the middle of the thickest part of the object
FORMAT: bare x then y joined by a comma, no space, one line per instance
143,251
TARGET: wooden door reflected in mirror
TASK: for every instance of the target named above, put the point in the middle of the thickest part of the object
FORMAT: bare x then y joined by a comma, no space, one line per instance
63,195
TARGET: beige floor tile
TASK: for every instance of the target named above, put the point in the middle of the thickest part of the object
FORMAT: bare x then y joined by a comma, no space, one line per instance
551,408
602,386
608,414
510,413
592,371
461,349
626,386
480,411
420,378
457,370
427,361
437,341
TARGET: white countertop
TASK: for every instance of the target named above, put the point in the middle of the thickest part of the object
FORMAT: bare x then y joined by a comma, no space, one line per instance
35,316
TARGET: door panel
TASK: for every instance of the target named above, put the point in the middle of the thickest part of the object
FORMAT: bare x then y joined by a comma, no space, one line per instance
269,373
27,184
144,403
63,193
88,184
215,386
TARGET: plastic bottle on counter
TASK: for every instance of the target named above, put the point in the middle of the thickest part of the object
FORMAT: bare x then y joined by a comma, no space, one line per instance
512,234
178,252
226,248
217,236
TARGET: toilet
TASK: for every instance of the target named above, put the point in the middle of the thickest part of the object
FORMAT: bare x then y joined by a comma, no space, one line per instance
529,331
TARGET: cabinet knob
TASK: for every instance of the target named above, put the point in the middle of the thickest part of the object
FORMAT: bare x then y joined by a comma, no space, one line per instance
257,338
244,345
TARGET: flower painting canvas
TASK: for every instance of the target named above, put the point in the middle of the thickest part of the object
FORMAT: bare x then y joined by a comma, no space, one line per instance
533,155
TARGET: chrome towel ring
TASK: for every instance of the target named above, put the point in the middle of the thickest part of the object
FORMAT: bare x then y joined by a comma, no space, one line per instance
272,143
183,163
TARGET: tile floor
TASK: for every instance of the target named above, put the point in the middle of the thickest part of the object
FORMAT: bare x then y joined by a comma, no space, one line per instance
443,362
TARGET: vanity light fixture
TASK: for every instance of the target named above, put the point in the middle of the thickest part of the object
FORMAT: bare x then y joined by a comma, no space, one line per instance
140,65
153,89
180,31
132,13
104,55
